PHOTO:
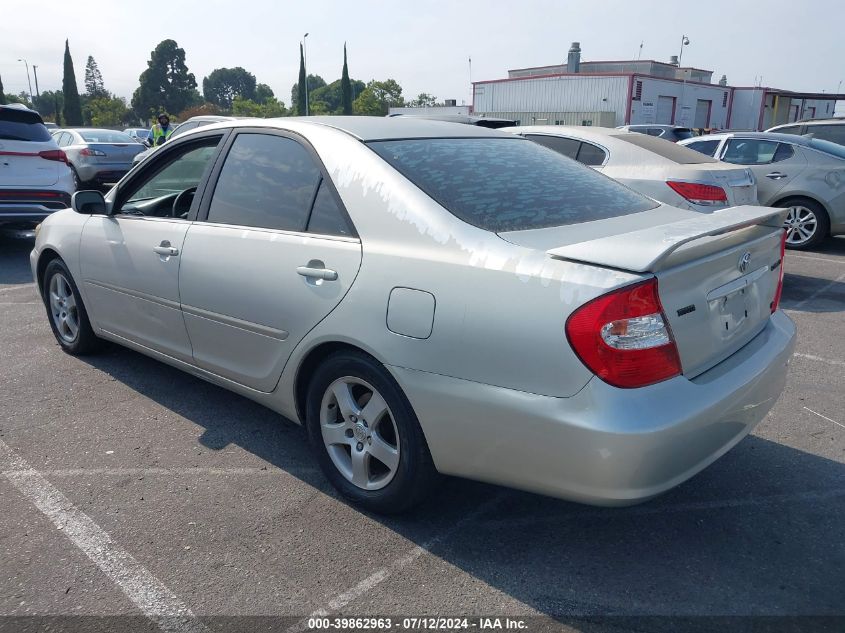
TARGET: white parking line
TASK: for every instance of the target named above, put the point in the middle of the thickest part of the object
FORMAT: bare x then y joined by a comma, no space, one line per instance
146,591
174,472
824,417
818,259
379,576
829,361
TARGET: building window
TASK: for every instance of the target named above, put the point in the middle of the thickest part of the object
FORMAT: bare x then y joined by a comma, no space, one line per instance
586,122
725,100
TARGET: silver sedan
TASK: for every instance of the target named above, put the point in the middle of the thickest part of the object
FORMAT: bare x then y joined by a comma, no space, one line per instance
97,157
430,298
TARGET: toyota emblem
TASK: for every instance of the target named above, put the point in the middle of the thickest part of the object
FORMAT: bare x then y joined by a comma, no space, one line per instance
744,261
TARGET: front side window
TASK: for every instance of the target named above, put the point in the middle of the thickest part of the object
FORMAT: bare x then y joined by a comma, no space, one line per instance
750,151
502,184
156,194
267,182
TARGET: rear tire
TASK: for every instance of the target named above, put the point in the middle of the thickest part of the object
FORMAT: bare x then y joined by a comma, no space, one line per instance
365,435
77,181
66,312
807,223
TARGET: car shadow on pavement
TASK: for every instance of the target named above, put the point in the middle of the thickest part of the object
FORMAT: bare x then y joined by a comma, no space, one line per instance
827,295
14,257
757,533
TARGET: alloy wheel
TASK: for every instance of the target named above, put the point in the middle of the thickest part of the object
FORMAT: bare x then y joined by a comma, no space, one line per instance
359,433
63,308
801,225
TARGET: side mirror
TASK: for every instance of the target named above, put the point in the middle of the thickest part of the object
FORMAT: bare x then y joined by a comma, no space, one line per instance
88,202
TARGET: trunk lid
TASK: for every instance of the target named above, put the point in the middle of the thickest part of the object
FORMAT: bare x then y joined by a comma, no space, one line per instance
115,153
738,183
717,273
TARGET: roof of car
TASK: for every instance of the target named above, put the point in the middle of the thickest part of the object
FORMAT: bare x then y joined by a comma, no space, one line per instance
768,136
372,128
661,126
595,133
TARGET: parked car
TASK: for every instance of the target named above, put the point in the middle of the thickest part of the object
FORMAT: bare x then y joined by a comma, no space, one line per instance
832,130
191,124
138,134
672,133
482,121
35,179
97,157
50,126
804,175
657,168
432,297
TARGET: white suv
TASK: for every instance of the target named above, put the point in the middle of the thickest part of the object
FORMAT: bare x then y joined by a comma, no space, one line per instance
35,179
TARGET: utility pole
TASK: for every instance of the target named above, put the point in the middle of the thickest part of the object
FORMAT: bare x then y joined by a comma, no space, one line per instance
305,64
35,74
27,78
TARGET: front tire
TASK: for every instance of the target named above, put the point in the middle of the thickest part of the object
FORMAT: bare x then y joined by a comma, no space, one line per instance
366,436
806,223
66,312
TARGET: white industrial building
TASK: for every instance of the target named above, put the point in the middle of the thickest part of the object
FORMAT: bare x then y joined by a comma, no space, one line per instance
612,93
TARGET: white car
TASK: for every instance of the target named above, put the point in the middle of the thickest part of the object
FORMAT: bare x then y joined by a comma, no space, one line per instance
35,179
657,168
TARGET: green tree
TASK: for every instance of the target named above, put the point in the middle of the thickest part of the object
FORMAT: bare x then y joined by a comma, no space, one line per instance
224,84
46,103
263,93
345,86
423,100
246,107
378,97
315,82
106,111
299,87
94,86
166,84
2,94
21,97
203,109
72,106
328,99
58,109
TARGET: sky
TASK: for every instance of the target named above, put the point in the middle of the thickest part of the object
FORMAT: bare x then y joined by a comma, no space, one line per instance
425,45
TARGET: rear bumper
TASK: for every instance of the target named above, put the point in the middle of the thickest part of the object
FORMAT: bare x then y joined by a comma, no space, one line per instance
103,174
604,446
27,207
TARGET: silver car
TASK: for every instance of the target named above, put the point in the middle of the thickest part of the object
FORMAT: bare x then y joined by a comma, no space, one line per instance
804,175
428,297
97,157
659,169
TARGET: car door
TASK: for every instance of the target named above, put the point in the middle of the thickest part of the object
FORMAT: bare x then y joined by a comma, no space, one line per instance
774,164
130,258
274,255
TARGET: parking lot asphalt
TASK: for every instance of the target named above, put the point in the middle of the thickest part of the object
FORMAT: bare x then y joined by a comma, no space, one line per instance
131,489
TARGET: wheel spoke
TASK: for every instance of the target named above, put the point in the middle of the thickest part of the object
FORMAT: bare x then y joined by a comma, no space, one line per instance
335,434
805,234
360,468
70,303
384,452
54,301
374,409
343,394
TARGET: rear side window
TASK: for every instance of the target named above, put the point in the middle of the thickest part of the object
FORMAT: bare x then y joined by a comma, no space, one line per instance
20,125
591,155
783,152
566,146
705,147
501,184
326,216
832,133
266,182
750,151
789,129
667,149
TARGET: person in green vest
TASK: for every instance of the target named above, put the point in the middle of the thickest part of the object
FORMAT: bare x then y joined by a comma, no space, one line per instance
161,131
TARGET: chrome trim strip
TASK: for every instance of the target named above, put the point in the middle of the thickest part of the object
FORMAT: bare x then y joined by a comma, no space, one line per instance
248,326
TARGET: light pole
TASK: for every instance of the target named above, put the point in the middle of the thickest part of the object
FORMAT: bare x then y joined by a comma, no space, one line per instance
305,65
684,42
35,76
27,77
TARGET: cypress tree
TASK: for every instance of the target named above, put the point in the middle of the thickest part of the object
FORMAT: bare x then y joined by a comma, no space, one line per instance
345,86
300,100
58,111
2,94
73,108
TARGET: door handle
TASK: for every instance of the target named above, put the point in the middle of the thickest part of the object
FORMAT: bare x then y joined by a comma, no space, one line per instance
315,270
776,175
165,249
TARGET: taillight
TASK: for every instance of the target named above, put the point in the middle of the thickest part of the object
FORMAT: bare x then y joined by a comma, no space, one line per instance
779,290
91,152
698,193
623,337
54,154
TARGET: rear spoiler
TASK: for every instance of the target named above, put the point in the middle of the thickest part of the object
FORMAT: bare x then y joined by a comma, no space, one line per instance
646,250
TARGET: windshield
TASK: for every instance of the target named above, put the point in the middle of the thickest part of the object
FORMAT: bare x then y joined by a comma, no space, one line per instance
104,136
502,184
827,146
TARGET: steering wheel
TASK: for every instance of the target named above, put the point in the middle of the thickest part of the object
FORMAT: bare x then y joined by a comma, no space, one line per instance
176,211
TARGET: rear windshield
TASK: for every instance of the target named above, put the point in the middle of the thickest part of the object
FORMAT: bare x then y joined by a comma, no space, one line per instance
667,149
104,136
503,184
20,125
